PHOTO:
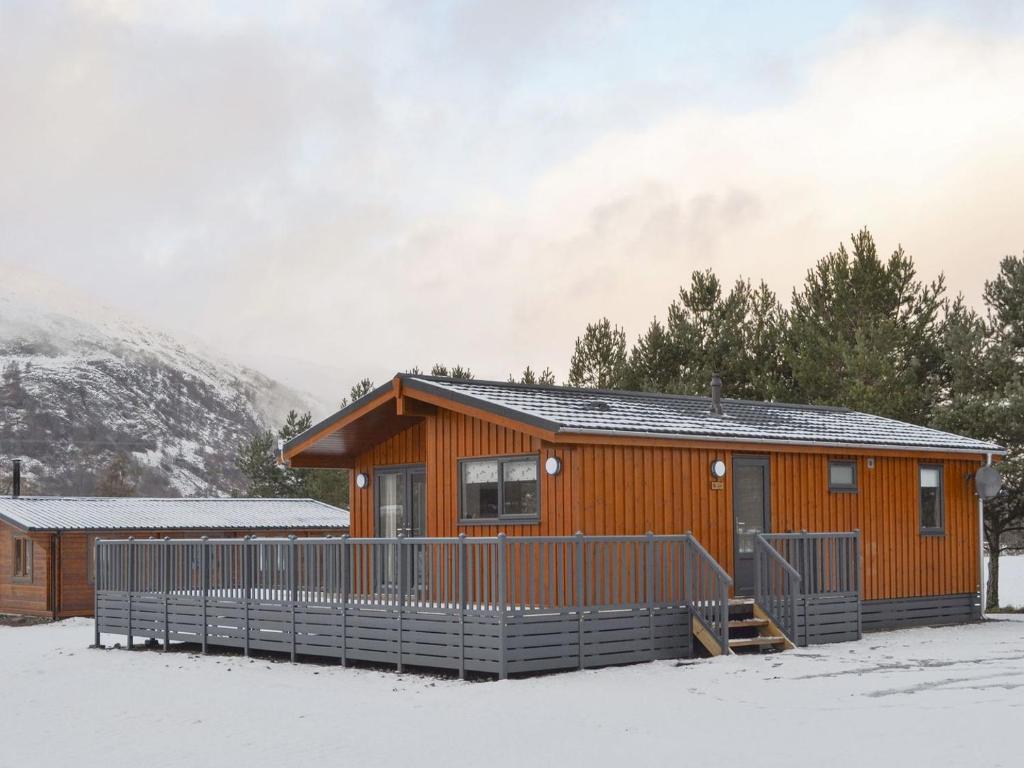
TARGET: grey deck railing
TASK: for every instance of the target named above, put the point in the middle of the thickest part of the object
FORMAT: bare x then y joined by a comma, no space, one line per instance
777,586
828,601
494,603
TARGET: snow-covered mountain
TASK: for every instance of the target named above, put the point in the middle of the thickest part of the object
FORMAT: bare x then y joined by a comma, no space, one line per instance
81,384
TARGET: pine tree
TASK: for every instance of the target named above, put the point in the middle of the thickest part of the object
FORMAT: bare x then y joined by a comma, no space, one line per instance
736,334
455,372
982,395
865,334
653,361
599,359
547,377
257,461
119,478
360,389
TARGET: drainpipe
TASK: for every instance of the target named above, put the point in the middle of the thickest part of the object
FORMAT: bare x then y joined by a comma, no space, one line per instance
981,545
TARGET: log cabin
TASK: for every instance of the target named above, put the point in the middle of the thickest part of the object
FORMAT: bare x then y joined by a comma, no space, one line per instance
47,544
437,457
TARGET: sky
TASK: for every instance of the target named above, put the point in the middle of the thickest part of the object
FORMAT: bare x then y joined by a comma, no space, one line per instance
333,190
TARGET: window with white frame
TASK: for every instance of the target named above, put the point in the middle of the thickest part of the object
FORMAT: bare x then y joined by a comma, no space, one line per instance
931,499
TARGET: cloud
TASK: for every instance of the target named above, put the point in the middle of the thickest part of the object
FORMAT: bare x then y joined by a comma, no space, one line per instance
338,187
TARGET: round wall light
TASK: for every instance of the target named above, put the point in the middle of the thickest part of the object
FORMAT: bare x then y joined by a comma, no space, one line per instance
553,465
362,480
718,469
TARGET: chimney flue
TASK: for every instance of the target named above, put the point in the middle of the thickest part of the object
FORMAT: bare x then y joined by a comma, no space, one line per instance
16,479
716,394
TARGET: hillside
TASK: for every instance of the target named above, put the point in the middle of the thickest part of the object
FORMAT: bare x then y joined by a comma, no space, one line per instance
81,384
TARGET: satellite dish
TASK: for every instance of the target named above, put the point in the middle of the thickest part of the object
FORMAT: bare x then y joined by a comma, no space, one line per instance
987,481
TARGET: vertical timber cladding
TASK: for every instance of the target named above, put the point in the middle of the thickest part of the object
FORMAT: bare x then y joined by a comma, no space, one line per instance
898,561
627,489
601,489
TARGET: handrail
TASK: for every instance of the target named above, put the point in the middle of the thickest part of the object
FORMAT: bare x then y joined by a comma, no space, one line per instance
707,592
777,586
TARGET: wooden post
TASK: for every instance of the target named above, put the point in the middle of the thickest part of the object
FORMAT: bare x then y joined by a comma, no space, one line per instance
462,604
131,587
649,587
502,611
204,576
166,562
96,591
292,588
400,594
246,588
343,575
581,597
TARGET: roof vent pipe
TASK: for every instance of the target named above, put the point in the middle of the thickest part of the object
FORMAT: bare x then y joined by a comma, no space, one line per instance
16,479
716,394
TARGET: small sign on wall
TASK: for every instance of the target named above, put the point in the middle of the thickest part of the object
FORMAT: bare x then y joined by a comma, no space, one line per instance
717,485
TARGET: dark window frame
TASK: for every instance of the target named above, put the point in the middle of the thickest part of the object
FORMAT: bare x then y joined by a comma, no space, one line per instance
940,529
834,488
25,575
501,519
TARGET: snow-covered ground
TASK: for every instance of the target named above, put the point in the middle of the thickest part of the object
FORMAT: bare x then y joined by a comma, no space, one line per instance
950,696
1011,580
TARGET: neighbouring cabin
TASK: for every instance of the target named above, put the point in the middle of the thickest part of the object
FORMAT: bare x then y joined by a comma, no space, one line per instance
48,544
508,528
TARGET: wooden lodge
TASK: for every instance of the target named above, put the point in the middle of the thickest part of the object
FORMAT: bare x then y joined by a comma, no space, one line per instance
47,544
628,463
506,528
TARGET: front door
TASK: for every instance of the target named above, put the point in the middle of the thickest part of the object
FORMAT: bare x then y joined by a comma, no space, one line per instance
750,513
401,495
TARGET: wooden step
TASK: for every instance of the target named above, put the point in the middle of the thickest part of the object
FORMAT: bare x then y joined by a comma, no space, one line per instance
744,623
739,602
750,642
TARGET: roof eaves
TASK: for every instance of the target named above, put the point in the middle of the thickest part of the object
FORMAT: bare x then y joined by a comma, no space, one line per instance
413,382
979,449
334,418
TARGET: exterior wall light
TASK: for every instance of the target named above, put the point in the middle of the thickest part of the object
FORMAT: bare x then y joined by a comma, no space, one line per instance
718,469
553,465
362,480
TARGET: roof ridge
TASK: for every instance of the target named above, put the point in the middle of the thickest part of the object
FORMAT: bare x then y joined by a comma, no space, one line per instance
625,393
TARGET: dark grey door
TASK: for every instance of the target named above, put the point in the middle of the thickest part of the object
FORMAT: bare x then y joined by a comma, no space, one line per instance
401,501
751,514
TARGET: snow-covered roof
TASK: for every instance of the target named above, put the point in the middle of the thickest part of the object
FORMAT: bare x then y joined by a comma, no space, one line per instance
566,410
45,513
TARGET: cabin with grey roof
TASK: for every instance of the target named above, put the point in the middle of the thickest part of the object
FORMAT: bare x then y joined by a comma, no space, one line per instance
47,544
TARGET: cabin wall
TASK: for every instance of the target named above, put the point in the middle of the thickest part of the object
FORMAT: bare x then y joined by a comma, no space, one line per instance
31,598
898,560
631,489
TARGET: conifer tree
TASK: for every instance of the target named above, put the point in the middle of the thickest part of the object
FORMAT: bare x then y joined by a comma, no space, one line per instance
865,333
599,359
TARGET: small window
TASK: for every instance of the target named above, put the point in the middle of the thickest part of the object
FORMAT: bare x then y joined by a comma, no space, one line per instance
932,511
500,489
22,559
842,476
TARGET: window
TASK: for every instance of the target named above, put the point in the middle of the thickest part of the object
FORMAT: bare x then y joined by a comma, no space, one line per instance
932,512
22,559
499,489
842,476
